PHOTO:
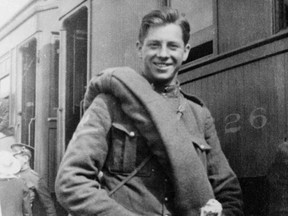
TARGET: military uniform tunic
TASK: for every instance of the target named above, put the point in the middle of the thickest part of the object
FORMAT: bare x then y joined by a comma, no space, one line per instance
106,139
38,190
14,197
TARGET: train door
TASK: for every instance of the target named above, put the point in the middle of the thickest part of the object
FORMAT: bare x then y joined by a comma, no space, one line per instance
28,51
76,68
53,106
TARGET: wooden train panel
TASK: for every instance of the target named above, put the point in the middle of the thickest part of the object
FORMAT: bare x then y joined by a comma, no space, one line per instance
248,101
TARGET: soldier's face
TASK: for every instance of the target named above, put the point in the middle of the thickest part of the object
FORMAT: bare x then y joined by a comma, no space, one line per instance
162,52
23,159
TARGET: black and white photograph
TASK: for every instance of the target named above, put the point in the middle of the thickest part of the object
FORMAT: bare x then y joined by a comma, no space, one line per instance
143,108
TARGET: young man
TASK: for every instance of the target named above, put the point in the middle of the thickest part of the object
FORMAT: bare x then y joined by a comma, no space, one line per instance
156,149
37,186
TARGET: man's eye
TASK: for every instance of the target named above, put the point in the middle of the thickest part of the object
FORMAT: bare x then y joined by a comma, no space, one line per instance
153,45
173,46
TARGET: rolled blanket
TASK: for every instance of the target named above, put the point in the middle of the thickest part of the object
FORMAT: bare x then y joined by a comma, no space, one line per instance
159,124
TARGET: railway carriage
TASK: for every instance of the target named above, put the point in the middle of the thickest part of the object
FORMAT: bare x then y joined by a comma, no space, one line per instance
237,65
29,45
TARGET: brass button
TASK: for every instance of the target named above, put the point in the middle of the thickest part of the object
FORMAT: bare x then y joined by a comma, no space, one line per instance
132,133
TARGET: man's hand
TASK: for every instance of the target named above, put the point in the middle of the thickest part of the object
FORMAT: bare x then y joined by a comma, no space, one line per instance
212,208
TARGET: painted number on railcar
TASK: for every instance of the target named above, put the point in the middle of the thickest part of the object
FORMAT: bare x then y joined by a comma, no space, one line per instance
257,120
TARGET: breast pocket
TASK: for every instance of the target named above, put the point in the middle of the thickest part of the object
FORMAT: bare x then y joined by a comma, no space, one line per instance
202,149
127,150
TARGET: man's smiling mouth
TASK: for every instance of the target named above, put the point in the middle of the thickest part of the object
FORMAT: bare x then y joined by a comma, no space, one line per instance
162,65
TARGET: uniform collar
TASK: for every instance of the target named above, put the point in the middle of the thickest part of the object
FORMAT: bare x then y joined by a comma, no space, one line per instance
168,90
25,169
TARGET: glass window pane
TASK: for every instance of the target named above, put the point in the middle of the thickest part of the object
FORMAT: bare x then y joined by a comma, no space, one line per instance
4,87
4,67
281,15
198,12
200,16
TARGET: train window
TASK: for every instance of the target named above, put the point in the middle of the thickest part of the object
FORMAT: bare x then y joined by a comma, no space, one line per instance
4,96
4,117
4,77
280,15
4,86
201,18
200,51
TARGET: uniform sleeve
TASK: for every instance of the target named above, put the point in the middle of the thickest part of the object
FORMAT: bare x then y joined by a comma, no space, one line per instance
45,197
26,206
223,180
77,187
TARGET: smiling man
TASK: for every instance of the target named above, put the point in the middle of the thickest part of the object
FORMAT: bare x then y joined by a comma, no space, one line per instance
163,50
143,147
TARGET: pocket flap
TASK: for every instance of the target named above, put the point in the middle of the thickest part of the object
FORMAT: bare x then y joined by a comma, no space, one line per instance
201,144
131,132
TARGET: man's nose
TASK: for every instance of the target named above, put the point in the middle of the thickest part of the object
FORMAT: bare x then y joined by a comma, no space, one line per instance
163,52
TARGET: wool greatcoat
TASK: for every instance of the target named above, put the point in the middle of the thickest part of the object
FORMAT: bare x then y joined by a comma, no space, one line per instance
108,139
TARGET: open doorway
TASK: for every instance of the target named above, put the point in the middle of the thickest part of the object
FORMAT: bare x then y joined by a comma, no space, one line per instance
29,56
76,78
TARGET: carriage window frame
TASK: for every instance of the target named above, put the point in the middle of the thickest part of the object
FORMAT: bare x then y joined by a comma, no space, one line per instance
5,79
5,71
280,17
204,42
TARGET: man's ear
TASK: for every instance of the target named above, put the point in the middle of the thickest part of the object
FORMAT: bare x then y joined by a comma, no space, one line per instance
139,49
186,51
27,158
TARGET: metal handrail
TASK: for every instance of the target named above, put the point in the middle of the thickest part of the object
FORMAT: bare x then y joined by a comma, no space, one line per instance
81,108
29,130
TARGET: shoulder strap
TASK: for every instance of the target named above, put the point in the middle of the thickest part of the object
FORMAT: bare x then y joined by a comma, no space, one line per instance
143,163
193,98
